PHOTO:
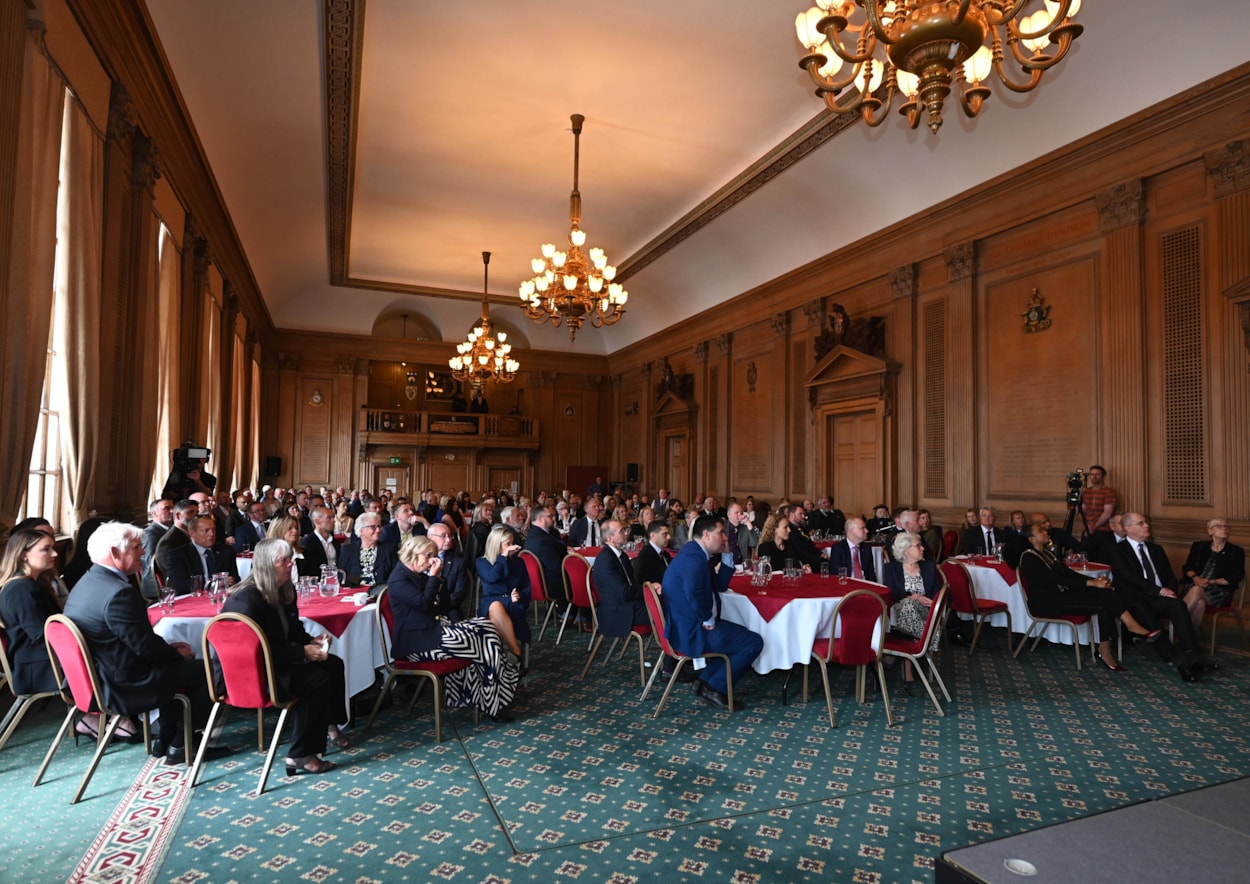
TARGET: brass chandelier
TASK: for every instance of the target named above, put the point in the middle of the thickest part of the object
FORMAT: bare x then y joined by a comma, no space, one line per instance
483,357
574,286
922,47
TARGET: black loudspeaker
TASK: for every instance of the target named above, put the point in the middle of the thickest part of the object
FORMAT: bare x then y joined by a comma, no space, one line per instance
631,473
273,467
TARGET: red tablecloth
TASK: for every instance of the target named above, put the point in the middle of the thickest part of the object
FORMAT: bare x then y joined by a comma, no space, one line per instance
1004,570
332,614
778,594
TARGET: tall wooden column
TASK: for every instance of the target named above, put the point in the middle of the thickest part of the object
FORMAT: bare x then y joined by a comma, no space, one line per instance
1121,446
962,391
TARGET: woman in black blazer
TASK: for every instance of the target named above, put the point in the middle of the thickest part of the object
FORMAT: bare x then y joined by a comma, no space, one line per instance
775,544
303,666
1055,589
1213,571
25,604
422,630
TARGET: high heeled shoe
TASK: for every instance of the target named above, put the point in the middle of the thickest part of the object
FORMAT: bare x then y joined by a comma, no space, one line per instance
1147,637
1114,668
84,728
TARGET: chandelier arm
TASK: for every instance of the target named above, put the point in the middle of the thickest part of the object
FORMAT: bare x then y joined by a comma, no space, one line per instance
1066,35
958,17
877,104
831,102
866,43
873,9
824,85
1034,78
995,17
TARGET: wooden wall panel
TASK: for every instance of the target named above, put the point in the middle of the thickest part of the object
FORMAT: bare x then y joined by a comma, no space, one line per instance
314,422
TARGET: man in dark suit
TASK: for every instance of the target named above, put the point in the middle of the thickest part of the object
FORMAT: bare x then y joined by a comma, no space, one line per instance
406,523
176,537
1142,569
365,560
649,567
621,606
586,531
854,553
545,544
202,557
805,551
453,572
692,587
659,506
980,541
827,518
252,531
162,515
1101,545
138,671
319,547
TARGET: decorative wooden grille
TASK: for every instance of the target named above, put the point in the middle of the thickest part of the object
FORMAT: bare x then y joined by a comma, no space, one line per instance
1184,399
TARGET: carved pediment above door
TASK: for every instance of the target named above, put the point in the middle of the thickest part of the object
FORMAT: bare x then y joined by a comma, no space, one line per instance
673,411
845,373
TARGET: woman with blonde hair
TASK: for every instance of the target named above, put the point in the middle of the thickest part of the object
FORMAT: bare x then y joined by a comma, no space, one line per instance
283,527
505,588
422,630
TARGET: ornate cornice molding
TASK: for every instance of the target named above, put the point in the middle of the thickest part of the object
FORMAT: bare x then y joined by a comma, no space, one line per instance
1229,168
1121,206
343,37
960,261
724,342
146,168
780,322
122,121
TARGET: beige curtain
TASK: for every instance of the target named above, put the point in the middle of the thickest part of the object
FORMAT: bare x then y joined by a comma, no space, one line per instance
240,369
26,295
254,424
77,334
168,324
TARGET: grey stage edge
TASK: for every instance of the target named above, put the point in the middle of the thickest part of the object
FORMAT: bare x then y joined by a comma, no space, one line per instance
1203,835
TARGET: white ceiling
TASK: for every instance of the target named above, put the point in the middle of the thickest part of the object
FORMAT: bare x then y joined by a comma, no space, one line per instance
463,142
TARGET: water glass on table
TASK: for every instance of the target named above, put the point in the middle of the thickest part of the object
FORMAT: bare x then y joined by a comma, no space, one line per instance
167,598
842,575
197,586
824,569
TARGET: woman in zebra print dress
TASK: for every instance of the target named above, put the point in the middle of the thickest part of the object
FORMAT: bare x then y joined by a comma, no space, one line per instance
421,631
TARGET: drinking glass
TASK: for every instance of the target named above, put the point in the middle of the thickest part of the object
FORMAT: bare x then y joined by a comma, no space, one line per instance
824,569
167,598
197,586
842,575
998,552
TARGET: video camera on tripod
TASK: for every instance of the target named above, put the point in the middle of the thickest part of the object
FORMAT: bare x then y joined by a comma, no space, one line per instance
1076,485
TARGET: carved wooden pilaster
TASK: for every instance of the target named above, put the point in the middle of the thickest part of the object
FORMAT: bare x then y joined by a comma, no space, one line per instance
700,352
723,343
1229,168
645,373
1122,206
960,261
813,312
780,323
903,282
121,123
345,365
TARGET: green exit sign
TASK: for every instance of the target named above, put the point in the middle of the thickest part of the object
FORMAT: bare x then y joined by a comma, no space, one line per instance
395,461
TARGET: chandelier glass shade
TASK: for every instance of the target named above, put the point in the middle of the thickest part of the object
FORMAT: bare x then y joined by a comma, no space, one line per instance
483,356
573,286
925,48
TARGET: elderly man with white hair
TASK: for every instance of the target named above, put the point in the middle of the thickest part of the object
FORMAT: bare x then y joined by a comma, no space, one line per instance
138,670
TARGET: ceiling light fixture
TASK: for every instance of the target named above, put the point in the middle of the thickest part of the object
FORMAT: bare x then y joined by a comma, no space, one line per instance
483,357
574,286
919,47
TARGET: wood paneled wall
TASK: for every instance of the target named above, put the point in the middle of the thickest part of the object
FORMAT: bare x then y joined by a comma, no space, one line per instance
1135,239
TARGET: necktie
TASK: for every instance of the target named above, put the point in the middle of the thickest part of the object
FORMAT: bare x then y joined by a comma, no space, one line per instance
1145,564
989,542
594,533
209,570
626,567
857,570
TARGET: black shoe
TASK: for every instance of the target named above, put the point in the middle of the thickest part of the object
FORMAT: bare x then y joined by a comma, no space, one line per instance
957,638
1210,666
709,694
173,755
504,715
158,747
1188,673
687,674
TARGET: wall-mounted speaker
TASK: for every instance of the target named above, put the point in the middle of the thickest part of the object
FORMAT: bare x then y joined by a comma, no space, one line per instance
273,467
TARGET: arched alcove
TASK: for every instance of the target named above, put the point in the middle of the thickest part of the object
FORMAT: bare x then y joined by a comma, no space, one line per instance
399,322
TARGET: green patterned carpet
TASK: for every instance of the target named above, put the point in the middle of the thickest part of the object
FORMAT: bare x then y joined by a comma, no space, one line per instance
586,785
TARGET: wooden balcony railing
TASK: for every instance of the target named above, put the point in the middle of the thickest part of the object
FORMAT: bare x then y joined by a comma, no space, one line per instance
436,427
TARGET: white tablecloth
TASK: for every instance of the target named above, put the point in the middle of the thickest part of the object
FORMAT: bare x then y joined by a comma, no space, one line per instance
357,646
789,636
990,585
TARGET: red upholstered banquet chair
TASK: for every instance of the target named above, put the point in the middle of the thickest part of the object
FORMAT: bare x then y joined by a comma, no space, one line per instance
655,611
920,650
1071,621
1233,607
538,589
246,662
860,613
72,665
963,600
433,672
21,702
576,571
950,540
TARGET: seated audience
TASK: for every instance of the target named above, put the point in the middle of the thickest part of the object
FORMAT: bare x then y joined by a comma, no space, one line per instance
366,561
1056,590
203,557
1213,571
25,604
853,552
827,518
251,532
914,583
303,666
161,518
585,531
981,540
422,631
138,670
775,544
343,520
881,520
930,536
621,605
319,546
454,572
505,588
804,550
286,527
543,541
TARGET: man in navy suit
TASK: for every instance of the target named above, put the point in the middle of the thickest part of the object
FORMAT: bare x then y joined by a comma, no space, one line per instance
546,546
853,547
407,523
453,571
251,532
692,587
586,531
202,557
980,541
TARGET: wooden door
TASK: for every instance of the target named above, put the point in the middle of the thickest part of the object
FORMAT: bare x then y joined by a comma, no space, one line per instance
675,472
856,478
503,477
394,478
